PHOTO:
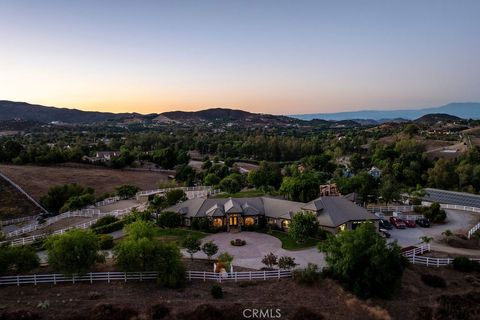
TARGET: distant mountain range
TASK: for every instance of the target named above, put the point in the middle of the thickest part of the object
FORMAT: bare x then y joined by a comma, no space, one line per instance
10,110
467,110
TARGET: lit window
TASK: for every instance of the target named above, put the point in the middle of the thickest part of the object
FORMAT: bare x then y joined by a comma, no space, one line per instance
285,224
249,221
217,222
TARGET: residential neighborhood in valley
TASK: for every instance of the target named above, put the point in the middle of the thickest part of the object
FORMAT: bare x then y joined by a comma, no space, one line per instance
239,160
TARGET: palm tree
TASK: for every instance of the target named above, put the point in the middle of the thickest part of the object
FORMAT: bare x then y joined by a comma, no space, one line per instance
447,233
426,239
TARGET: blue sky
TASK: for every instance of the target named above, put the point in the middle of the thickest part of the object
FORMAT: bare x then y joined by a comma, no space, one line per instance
280,57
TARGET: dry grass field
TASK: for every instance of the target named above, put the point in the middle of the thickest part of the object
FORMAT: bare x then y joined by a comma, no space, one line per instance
36,180
13,203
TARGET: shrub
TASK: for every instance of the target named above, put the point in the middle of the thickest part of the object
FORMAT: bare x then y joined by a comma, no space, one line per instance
364,262
192,245
74,252
210,249
238,242
303,226
109,228
169,219
106,241
464,264
286,263
18,259
226,259
126,191
270,260
103,221
202,224
434,281
307,276
216,291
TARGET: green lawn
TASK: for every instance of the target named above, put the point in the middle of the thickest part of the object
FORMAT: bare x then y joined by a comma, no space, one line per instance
242,194
289,244
177,235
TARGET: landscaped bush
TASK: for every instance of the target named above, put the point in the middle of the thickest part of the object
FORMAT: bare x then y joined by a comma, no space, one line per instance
202,224
307,276
226,259
286,263
169,219
109,228
106,241
18,259
464,264
74,252
105,220
434,281
216,291
270,260
238,242
433,213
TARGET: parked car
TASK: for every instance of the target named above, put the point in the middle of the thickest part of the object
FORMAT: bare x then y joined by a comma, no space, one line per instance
385,224
424,223
397,223
410,223
384,233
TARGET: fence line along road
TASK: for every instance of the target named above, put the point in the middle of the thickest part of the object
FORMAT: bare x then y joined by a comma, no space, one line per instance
414,257
206,189
86,213
141,276
17,220
86,225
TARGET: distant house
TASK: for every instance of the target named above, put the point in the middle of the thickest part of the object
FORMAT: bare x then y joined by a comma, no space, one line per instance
107,155
102,156
333,214
375,172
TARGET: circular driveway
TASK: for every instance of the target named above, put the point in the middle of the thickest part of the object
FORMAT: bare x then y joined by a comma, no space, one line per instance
258,245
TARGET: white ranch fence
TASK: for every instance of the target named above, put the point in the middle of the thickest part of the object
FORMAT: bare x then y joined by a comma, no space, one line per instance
107,201
141,276
18,220
86,225
86,213
199,191
414,256
390,208
473,230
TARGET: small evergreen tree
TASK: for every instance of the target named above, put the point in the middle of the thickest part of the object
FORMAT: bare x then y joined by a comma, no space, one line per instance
210,249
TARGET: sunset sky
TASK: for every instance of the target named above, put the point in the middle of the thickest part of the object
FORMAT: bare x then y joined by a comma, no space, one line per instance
281,57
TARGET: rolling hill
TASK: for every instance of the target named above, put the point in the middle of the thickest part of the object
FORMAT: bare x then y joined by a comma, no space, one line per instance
21,110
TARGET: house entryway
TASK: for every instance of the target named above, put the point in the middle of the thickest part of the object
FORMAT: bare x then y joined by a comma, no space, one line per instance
233,223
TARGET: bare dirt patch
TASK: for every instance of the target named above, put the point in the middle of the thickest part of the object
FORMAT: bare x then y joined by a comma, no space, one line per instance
415,300
83,300
36,180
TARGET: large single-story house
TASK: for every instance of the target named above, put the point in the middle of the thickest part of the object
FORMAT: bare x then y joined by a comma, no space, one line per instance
334,213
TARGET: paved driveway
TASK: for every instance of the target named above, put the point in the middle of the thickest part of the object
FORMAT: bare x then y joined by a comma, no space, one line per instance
457,222
258,245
